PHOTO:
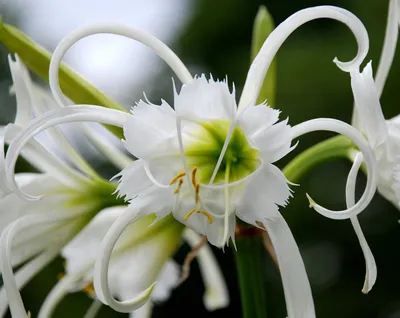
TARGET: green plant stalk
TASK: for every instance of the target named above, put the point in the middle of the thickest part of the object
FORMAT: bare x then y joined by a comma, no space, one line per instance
37,59
250,269
250,254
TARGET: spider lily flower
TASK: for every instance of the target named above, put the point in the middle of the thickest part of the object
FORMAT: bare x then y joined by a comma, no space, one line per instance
72,192
208,160
140,257
383,135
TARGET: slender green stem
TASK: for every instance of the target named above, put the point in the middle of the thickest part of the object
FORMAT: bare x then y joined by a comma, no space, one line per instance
335,147
250,269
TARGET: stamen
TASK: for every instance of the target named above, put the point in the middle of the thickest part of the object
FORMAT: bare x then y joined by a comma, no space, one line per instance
196,210
194,182
197,193
177,177
179,186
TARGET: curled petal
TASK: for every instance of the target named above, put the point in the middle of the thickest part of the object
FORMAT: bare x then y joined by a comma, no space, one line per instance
100,280
370,265
328,124
76,113
216,295
260,65
112,28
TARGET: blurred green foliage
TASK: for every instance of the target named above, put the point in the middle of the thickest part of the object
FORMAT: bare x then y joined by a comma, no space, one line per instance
308,85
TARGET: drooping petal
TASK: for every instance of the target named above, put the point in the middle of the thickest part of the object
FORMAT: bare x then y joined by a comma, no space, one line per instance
369,109
327,124
370,265
298,296
268,189
261,63
204,99
150,131
216,294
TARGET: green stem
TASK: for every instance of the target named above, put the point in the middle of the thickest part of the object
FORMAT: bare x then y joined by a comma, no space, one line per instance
335,147
250,269
250,253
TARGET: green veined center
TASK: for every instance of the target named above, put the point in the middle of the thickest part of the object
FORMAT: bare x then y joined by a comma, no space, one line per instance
203,153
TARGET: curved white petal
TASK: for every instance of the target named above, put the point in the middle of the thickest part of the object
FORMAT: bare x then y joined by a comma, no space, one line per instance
267,189
76,113
150,131
298,296
156,45
260,65
389,45
10,284
327,124
100,280
143,312
205,99
370,265
26,273
42,159
368,106
216,294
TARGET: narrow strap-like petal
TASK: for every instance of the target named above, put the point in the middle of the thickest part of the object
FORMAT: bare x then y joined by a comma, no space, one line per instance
328,124
78,113
260,65
298,296
152,42
370,265
100,279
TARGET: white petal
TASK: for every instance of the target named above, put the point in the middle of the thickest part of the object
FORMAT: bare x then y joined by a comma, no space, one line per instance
256,119
143,312
151,131
26,273
21,79
370,265
216,295
260,65
327,124
298,296
76,113
152,42
267,189
369,109
133,180
205,99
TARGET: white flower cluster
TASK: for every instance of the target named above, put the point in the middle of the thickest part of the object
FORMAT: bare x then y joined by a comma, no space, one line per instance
200,165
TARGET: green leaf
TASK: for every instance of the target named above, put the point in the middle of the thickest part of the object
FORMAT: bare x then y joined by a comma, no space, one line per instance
37,59
263,26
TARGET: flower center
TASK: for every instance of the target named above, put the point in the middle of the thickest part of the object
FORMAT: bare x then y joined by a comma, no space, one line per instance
203,153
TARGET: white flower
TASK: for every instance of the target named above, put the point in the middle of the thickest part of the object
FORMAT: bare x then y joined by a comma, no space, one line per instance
72,192
138,260
383,135
206,160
